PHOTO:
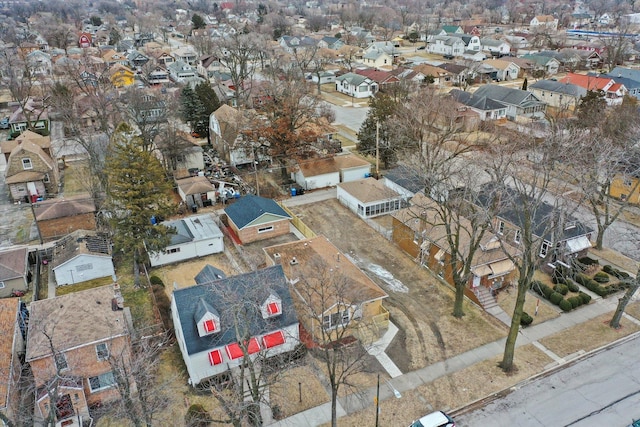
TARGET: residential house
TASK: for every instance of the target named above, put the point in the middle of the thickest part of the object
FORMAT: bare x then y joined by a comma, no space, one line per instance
14,271
322,77
30,116
121,76
13,315
368,197
629,77
471,42
191,237
614,92
474,56
543,23
606,19
520,103
84,40
70,341
111,58
377,59
252,218
161,57
561,237
31,171
504,70
39,63
384,79
158,76
137,59
445,30
404,180
311,174
562,96
292,44
494,47
543,65
332,43
181,72
196,191
440,76
61,216
409,74
459,73
207,325
446,45
208,65
208,274
487,109
419,231
82,256
356,85
227,127
186,54
343,296
362,36
517,42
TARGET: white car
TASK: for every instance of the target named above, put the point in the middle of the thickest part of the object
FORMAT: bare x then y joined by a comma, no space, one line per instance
434,419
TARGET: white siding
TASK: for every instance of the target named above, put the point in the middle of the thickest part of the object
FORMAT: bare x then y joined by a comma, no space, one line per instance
347,200
355,174
318,181
82,268
187,251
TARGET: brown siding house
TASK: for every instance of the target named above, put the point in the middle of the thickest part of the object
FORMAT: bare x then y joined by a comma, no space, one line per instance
59,217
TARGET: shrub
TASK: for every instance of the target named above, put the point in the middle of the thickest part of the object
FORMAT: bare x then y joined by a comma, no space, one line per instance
526,319
565,305
573,286
557,276
155,280
555,298
601,277
164,305
575,301
586,298
582,279
197,416
562,289
608,269
588,261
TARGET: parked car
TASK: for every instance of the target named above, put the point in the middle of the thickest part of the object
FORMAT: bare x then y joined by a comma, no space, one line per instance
4,123
434,419
422,47
448,56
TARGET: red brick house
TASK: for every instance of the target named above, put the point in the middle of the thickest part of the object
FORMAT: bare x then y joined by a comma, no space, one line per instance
254,218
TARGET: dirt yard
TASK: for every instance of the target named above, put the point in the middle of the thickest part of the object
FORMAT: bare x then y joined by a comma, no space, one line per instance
418,303
183,274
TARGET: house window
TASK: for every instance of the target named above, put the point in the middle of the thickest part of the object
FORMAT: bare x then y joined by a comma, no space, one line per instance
273,309
265,229
1,285
84,267
46,178
210,326
500,227
544,249
517,237
102,351
172,251
61,362
339,318
26,164
215,357
101,382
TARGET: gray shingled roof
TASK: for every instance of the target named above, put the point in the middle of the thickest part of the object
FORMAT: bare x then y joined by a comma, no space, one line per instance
353,78
478,102
558,87
209,274
406,178
248,290
506,95
250,207
182,233
626,73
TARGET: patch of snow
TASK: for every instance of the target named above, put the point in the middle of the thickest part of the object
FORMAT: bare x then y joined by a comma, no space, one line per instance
393,284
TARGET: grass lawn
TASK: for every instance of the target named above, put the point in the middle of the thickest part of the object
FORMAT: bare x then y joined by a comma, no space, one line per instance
588,336
75,178
89,284
292,398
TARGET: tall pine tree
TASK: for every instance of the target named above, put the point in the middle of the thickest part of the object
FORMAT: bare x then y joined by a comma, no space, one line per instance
137,191
381,108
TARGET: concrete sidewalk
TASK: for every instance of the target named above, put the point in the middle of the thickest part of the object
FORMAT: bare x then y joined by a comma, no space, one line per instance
409,381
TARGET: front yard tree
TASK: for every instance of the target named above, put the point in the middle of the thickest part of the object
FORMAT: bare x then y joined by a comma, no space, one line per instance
632,286
327,290
375,132
137,191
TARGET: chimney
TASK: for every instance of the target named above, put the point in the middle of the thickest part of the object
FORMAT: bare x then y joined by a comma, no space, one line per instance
294,261
277,258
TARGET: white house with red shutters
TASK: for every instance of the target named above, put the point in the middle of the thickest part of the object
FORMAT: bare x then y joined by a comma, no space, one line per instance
218,323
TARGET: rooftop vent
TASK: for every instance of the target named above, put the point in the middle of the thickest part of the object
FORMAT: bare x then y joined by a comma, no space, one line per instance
294,261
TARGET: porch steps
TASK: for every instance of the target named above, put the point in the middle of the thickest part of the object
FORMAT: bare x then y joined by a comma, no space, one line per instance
487,301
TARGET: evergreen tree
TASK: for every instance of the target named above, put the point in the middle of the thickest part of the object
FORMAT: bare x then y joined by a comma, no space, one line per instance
525,83
137,191
591,108
114,36
208,103
197,22
189,106
382,107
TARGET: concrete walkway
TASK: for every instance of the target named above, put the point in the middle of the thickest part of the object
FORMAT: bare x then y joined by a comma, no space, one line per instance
409,381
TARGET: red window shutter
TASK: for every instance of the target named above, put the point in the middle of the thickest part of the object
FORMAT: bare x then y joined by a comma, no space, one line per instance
234,351
215,357
273,339
273,308
254,346
209,325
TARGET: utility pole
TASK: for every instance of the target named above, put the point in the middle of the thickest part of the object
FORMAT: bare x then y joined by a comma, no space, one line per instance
377,149
377,400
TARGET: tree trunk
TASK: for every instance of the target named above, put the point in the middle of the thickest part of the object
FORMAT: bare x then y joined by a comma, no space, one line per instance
136,270
458,310
622,302
510,345
334,408
600,238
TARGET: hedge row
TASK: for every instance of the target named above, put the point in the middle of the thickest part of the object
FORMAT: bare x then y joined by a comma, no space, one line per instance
615,272
593,286
555,295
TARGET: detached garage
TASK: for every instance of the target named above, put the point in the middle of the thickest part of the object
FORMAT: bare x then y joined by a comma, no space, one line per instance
194,236
330,171
82,256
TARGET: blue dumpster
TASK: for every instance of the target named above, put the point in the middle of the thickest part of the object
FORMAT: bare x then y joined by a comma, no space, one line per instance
293,192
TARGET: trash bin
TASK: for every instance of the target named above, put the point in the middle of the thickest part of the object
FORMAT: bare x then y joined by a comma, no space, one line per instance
194,208
293,192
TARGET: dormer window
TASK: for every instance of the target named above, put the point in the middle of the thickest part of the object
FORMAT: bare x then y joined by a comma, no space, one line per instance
206,318
210,326
272,306
273,309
